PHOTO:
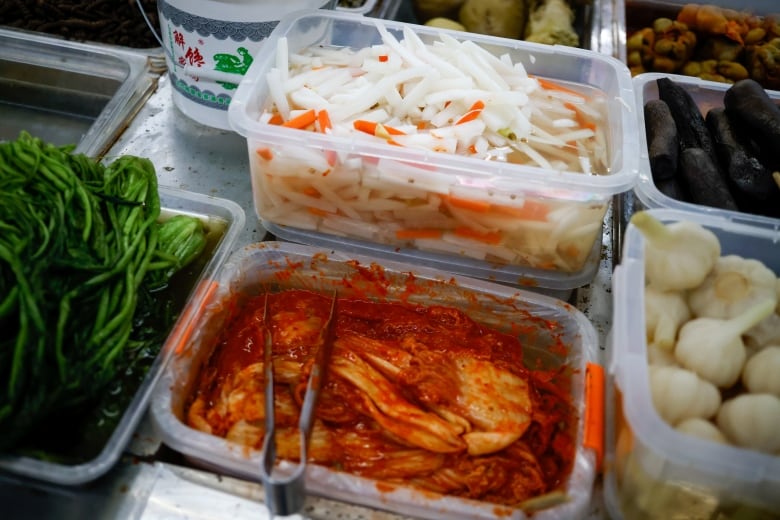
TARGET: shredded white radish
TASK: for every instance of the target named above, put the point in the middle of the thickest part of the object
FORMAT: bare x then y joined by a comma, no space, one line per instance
447,97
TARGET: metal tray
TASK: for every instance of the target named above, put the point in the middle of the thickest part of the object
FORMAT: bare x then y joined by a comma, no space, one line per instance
69,92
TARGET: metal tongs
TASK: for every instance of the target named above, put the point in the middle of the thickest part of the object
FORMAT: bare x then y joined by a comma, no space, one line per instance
285,495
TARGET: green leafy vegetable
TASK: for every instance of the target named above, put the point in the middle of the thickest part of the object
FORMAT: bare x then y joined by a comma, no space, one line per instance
81,243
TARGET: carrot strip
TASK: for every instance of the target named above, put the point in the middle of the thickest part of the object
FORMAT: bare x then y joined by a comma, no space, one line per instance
472,113
412,233
581,119
479,206
383,57
550,85
323,118
317,211
265,153
301,121
490,237
276,119
373,128
530,210
311,191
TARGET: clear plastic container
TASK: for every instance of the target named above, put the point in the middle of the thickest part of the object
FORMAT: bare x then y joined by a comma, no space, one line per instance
225,219
284,265
560,240
707,94
652,470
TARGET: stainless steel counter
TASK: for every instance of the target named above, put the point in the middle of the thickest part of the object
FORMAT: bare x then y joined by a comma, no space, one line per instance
151,482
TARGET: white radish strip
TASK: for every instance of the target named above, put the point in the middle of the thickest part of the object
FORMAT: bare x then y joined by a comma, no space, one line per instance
300,220
378,188
498,251
414,98
532,154
269,195
466,217
403,174
282,52
575,135
390,40
307,98
564,123
376,204
349,227
440,246
328,194
420,49
277,94
336,81
370,95
304,200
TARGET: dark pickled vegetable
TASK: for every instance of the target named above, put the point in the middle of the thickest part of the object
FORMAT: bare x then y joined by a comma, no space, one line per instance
662,139
703,180
691,127
747,102
749,180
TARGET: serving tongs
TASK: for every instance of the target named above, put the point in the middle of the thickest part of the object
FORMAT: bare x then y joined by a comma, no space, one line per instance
285,495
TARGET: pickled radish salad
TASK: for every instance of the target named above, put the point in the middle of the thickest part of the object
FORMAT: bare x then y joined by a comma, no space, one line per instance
446,98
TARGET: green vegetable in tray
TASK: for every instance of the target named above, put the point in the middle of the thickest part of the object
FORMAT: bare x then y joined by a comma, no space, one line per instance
81,247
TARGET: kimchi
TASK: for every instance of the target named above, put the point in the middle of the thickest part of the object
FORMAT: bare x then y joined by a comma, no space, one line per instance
414,395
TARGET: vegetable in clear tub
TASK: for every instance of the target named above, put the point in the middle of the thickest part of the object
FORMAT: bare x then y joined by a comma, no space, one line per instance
459,165
557,341
689,432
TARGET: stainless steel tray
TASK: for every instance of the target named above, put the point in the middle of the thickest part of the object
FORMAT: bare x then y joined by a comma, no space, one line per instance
68,92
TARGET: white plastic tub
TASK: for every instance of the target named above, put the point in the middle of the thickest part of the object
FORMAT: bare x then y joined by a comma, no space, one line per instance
707,94
529,242
284,265
652,470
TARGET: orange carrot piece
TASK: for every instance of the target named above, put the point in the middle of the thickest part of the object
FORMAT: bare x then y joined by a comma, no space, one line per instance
413,233
490,237
323,119
276,119
530,210
301,121
311,191
317,211
551,85
581,119
383,57
480,206
472,113
371,127
265,153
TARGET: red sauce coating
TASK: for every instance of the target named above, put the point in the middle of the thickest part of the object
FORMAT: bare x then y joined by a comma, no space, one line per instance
410,391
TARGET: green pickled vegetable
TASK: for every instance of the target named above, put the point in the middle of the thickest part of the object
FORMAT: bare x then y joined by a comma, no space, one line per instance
81,245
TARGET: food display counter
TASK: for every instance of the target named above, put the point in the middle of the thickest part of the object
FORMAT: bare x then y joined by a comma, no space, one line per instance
152,481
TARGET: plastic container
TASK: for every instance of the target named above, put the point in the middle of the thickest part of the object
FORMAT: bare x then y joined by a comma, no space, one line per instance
652,470
283,265
209,45
708,94
224,219
527,241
